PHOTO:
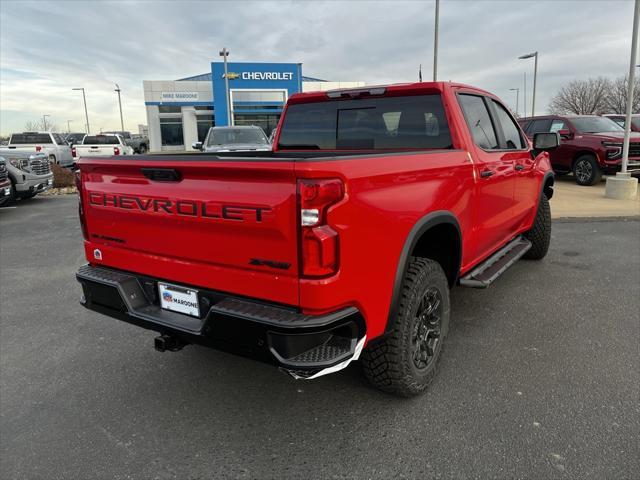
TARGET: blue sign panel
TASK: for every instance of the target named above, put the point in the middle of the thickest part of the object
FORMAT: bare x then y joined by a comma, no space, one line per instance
252,76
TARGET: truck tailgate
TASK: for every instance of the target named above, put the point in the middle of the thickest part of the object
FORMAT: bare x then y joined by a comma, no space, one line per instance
221,225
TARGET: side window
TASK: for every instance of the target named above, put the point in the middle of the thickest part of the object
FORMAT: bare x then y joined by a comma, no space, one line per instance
539,126
557,125
511,132
479,121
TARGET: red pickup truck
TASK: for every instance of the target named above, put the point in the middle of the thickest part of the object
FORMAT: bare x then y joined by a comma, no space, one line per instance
342,243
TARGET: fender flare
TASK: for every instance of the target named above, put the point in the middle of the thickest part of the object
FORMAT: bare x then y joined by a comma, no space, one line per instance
543,185
425,223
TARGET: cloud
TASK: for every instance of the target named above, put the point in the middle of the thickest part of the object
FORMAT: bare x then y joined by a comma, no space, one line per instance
47,48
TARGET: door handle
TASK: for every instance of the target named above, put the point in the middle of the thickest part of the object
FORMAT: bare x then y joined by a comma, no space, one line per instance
486,173
519,167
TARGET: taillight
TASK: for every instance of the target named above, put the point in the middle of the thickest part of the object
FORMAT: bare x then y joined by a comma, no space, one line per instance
319,242
116,151
38,148
73,152
83,223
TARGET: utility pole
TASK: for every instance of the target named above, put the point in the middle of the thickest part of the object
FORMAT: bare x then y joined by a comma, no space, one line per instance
69,126
84,98
435,42
525,94
623,185
120,105
44,122
225,53
517,90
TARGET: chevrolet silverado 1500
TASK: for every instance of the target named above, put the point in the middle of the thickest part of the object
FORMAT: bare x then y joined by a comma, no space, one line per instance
340,244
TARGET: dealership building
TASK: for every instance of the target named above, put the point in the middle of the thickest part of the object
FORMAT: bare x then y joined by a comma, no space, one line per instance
180,112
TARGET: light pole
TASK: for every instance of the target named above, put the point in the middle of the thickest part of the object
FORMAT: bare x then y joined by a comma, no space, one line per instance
517,90
225,53
120,105
525,95
535,78
623,185
84,98
69,126
44,121
435,42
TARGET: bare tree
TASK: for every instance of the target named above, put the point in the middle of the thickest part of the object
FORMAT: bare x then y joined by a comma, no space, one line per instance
616,101
39,125
582,97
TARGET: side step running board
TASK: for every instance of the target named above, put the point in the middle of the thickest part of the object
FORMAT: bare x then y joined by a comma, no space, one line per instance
488,271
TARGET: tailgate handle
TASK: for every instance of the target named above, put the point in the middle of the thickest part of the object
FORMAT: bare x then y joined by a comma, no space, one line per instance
162,174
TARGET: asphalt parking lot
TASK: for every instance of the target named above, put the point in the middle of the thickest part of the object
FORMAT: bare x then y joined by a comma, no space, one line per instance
540,379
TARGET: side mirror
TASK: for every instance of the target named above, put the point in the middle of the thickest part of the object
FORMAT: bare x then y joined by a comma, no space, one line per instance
197,146
565,133
546,141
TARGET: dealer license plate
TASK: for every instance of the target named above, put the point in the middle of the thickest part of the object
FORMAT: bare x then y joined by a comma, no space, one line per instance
179,299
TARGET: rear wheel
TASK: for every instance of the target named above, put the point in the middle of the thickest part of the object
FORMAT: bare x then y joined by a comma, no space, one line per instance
405,361
586,170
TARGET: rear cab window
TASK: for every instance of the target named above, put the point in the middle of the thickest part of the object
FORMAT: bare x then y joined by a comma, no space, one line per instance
382,123
29,138
100,140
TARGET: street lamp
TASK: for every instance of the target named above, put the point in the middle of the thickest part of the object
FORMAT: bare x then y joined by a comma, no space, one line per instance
44,121
84,98
225,53
517,90
69,126
435,42
535,78
120,105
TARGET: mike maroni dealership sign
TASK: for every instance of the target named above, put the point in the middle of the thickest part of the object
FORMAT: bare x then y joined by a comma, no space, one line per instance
179,97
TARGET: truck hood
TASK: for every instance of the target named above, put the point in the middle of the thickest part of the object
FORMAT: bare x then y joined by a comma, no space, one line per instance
613,136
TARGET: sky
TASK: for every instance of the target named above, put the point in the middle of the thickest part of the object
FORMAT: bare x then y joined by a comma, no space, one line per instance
49,47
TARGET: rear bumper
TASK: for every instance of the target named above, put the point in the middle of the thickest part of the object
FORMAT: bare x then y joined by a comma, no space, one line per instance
304,345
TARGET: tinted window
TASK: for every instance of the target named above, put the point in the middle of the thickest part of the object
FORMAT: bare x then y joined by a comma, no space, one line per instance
557,125
58,138
25,138
479,121
595,125
511,132
538,126
100,140
367,124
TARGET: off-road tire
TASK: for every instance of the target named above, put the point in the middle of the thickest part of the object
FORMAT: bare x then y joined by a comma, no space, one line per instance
586,171
540,233
388,364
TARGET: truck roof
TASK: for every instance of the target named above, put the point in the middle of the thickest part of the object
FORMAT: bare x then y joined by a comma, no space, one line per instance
392,89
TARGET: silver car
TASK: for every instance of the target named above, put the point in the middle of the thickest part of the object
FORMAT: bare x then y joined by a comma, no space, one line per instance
234,139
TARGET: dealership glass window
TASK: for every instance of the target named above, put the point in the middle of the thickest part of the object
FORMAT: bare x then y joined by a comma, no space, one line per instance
169,109
376,123
205,122
266,122
479,121
278,96
171,131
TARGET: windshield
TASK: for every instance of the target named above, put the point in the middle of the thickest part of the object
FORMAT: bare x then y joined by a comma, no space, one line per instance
595,125
232,136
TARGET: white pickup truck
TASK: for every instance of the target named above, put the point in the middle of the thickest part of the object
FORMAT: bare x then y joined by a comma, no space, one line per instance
104,144
51,144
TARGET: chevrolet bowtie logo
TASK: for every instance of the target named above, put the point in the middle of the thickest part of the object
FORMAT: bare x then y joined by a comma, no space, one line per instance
232,75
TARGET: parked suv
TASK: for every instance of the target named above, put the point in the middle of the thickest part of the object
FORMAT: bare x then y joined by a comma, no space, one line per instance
52,144
30,173
591,145
139,143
